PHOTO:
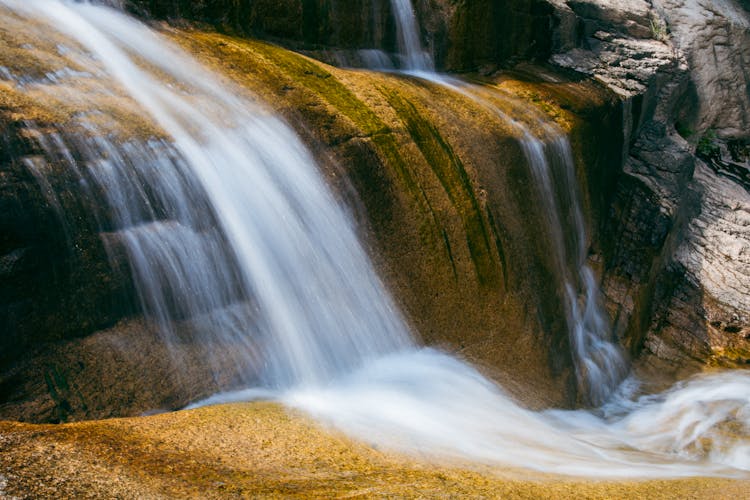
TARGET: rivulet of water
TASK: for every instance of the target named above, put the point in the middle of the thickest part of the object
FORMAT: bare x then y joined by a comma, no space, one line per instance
599,363
412,56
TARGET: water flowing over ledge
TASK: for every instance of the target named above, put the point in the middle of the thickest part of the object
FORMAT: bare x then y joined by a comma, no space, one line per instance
330,335
316,295
599,363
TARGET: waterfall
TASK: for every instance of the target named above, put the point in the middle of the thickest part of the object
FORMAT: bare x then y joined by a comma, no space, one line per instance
224,217
412,55
284,275
600,364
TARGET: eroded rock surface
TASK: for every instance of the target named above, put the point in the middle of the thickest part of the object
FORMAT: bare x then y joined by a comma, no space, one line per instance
676,278
714,36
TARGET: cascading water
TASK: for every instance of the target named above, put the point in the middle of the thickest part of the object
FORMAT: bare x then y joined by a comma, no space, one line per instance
319,309
670,425
315,311
600,364
412,55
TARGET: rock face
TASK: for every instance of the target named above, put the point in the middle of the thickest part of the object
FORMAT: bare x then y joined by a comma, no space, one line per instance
462,35
443,194
301,24
676,276
55,282
714,36
440,186
482,34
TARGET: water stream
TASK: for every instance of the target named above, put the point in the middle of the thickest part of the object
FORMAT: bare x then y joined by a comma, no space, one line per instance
229,212
412,56
318,309
600,364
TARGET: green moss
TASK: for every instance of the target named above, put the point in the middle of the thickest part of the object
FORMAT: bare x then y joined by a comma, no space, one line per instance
707,147
685,131
447,242
450,171
306,85
498,244
730,357
280,65
299,70
57,387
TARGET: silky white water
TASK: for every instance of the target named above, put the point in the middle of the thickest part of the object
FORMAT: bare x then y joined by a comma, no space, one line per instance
599,363
412,55
318,307
326,333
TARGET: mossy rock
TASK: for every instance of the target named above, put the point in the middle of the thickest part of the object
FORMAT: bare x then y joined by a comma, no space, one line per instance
439,187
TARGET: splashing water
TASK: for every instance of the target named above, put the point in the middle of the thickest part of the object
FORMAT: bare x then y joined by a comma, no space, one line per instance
335,344
431,403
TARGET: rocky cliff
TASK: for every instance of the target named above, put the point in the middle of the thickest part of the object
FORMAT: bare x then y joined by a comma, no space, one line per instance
677,274
438,184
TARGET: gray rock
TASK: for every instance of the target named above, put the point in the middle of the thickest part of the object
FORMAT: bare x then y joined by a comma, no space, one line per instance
678,279
714,36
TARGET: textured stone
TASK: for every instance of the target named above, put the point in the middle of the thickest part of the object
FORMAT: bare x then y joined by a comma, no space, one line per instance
676,276
714,36
264,450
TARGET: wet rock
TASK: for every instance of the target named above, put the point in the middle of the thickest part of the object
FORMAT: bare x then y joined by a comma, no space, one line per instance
54,279
457,245
462,36
126,370
301,24
487,32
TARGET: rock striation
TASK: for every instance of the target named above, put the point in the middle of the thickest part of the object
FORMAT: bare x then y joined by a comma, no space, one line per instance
677,277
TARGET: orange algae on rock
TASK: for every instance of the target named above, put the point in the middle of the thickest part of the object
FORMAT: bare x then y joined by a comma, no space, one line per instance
263,449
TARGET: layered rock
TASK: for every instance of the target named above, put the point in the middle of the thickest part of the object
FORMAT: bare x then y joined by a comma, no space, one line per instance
485,34
676,274
714,36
